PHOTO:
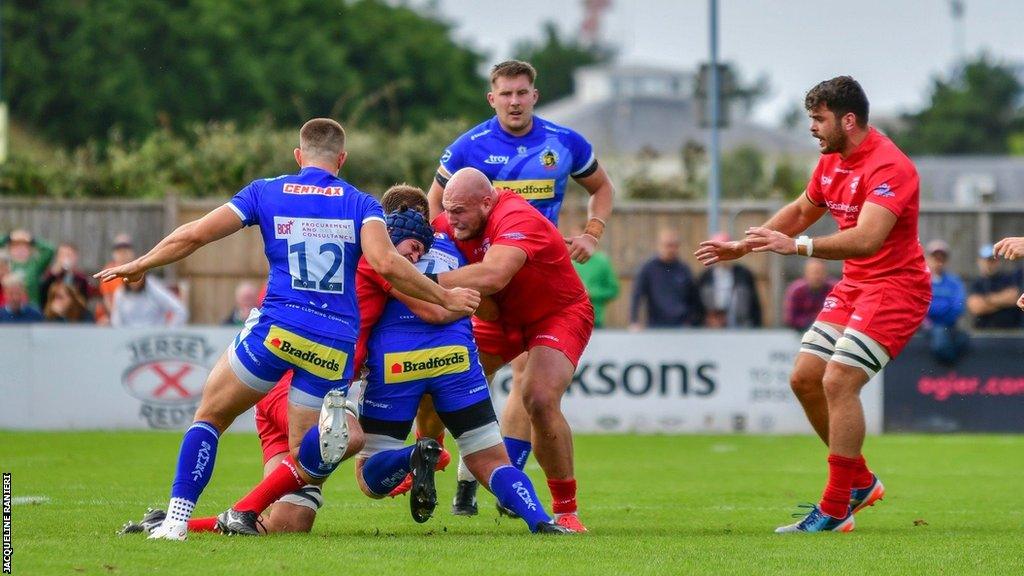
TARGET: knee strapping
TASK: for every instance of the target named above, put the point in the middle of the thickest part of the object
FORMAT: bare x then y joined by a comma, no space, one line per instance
861,351
820,340
479,438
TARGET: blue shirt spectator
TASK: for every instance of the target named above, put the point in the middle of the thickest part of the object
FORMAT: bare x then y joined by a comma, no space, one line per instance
17,308
948,294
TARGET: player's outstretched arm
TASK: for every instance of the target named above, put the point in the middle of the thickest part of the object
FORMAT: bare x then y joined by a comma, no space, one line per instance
599,210
380,253
864,239
1010,248
185,240
791,219
434,314
490,275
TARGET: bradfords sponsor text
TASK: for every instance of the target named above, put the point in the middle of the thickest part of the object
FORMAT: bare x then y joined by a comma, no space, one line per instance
426,363
167,373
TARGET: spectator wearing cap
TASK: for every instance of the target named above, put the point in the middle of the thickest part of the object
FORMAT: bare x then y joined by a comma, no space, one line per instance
993,295
247,297
30,256
122,253
728,294
806,296
18,309
946,341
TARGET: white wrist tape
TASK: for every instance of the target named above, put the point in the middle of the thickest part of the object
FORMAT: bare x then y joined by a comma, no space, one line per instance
808,243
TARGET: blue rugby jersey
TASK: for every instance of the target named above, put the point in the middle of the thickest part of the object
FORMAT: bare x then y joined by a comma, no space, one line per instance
536,165
442,257
310,223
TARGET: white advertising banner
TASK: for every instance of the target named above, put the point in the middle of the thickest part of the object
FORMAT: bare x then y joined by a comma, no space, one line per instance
60,378
684,381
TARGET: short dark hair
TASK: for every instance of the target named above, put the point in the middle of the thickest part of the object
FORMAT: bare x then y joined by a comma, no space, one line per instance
322,137
513,69
402,196
841,95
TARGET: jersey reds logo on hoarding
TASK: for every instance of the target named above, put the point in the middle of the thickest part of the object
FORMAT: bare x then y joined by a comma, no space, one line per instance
167,373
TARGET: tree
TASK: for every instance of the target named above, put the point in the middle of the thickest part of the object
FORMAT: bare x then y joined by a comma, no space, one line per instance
556,58
976,112
76,70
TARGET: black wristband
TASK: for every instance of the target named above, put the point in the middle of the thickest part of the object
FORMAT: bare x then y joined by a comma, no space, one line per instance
432,277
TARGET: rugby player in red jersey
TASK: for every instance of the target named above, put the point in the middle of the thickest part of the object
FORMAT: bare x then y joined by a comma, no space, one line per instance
521,260
871,190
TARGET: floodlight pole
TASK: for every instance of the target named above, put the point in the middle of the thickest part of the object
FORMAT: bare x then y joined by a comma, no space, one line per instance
714,183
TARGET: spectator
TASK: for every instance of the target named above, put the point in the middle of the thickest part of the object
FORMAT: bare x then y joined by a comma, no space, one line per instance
667,287
29,257
993,297
806,296
64,268
598,278
147,302
18,309
728,294
64,303
5,269
246,298
947,342
122,253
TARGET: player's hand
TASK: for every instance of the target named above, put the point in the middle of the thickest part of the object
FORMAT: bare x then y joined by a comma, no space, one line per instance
130,272
1020,302
1010,248
462,300
711,251
766,240
581,247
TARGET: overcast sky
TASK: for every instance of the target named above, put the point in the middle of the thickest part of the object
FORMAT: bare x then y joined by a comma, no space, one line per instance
893,47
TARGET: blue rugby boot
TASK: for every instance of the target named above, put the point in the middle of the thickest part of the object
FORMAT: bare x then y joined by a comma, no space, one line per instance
818,521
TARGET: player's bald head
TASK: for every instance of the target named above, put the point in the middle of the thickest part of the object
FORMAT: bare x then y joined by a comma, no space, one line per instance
468,185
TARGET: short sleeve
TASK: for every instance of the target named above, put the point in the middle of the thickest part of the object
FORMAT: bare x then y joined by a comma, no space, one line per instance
814,192
371,209
245,203
583,158
453,157
519,230
892,188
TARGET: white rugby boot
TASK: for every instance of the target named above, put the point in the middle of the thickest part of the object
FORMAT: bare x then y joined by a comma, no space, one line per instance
333,427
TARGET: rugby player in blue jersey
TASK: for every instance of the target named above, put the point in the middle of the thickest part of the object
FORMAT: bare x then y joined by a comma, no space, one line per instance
418,348
315,226
535,158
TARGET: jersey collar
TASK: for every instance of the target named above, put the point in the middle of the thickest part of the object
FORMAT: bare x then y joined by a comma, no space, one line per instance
869,143
497,129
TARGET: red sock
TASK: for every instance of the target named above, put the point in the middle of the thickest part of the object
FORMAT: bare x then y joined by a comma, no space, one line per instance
563,496
863,477
836,499
282,480
202,524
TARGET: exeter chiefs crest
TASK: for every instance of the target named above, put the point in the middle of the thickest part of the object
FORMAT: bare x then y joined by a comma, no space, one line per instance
549,159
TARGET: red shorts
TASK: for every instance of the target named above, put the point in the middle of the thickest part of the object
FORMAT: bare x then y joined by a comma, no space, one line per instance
272,419
889,312
568,332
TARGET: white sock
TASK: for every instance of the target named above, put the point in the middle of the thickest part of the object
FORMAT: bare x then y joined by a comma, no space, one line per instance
464,473
179,510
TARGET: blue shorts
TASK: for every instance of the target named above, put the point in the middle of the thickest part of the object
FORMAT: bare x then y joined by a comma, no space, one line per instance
266,348
403,366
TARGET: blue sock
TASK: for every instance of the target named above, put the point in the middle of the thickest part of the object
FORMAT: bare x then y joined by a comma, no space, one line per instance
309,456
385,470
514,490
518,451
195,461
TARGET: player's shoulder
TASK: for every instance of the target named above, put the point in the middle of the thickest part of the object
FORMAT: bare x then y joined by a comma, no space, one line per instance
558,130
888,155
477,133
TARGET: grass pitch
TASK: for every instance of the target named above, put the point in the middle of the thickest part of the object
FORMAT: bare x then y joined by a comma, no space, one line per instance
654,505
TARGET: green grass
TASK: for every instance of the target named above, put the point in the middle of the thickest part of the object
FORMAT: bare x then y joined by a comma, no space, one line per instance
654,505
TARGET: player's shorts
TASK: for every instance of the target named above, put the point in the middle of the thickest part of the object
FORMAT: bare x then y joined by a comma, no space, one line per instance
266,348
889,312
403,366
272,420
568,332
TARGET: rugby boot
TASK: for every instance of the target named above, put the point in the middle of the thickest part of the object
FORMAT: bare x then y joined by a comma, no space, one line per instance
333,427
570,521
406,484
464,503
242,523
818,521
170,531
150,520
423,494
551,528
861,498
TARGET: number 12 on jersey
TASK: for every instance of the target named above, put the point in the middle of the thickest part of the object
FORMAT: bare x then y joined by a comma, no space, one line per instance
316,251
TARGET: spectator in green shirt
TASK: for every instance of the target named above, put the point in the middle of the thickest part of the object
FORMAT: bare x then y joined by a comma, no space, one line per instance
599,279
29,258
